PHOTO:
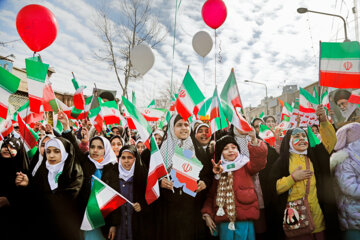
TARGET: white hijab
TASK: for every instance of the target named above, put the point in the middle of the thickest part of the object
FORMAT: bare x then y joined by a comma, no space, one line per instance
55,170
109,156
126,174
41,157
292,149
239,162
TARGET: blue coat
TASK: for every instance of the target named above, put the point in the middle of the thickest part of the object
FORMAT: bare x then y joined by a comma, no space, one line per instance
346,170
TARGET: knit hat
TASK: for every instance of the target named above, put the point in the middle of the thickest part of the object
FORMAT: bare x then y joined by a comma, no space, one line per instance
347,134
221,143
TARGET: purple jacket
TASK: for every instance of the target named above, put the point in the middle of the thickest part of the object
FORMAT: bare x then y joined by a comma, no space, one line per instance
346,169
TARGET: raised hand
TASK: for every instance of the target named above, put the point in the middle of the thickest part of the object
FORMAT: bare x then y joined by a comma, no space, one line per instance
64,120
217,168
48,129
320,111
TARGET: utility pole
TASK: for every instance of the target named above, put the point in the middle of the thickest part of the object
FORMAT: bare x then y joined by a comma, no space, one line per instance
356,17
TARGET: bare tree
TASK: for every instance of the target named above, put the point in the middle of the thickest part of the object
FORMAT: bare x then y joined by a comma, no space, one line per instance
119,35
164,101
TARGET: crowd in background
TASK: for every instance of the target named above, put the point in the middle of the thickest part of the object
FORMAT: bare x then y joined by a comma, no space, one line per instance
243,192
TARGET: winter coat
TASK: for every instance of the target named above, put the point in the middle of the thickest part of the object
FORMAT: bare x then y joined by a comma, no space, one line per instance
246,202
320,158
347,186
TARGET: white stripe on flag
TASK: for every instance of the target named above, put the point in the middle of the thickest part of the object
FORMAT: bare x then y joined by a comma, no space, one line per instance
341,65
35,88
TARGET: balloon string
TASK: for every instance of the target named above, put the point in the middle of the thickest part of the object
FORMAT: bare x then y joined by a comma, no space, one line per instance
215,57
204,70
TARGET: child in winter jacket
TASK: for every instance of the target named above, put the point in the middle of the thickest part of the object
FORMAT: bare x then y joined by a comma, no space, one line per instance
232,201
345,165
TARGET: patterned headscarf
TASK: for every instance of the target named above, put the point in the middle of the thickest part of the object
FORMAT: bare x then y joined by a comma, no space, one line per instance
168,146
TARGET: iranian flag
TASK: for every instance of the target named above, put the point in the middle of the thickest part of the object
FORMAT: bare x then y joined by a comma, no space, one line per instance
189,96
36,72
49,99
355,97
230,101
202,108
307,102
58,125
340,64
102,201
6,128
325,100
187,169
28,136
81,114
139,122
78,98
95,114
217,117
286,111
110,112
9,84
173,102
27,115
156,171
230,92
153,114
267,135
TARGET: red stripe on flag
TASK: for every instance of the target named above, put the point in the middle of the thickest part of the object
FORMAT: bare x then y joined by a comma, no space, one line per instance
111,120
3,110
153,177
98,123
7,131
130,123
182,110
306,110
25,133
340,80
111,205
354,98
215,113
236,102
150,119
35,103
79,101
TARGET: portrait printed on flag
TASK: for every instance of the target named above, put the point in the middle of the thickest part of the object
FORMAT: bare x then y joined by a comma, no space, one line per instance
343,110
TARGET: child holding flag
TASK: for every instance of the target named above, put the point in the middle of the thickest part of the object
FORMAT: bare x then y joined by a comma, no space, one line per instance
232,202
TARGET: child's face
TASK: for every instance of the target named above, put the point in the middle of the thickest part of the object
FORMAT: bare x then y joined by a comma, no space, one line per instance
230,152
299,141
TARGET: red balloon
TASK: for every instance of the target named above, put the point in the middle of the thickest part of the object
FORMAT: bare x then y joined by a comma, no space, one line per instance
214,13
37,26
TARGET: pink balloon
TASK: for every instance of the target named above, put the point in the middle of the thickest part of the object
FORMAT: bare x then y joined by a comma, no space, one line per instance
214,13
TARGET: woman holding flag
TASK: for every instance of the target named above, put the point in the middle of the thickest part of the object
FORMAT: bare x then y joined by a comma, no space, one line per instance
101,162
180,216
53,191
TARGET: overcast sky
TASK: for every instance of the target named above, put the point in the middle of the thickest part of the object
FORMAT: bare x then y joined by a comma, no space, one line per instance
263,40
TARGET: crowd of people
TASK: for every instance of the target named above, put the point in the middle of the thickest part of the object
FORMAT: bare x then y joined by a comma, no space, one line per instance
247,189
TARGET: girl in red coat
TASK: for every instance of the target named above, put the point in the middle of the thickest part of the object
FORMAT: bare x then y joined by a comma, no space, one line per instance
232,201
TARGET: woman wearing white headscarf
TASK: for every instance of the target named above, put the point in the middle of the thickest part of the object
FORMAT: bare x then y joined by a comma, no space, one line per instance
39,155
180,213
100,161
53,191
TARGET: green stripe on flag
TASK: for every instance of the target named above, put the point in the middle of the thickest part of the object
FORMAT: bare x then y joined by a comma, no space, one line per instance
35,69
190,86
8,81
313,140
135,114
32,152
340,50
92,209
308,96
193,160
